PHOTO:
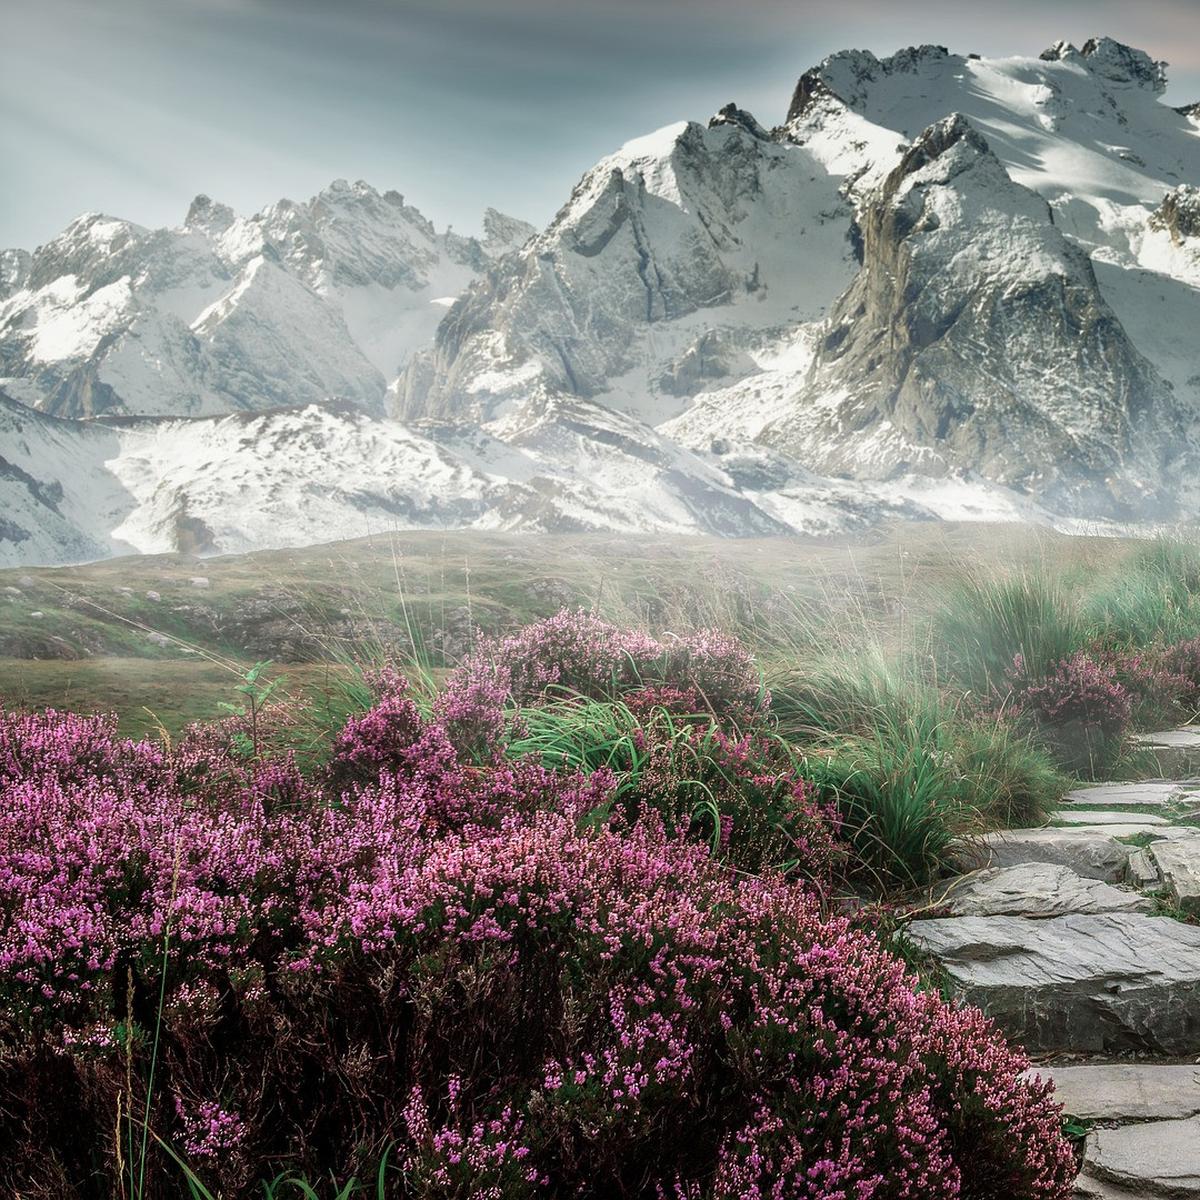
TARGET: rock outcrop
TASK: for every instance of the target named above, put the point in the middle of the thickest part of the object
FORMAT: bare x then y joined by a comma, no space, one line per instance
976,338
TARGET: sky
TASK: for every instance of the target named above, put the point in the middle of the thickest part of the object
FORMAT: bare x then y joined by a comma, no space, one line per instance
132,107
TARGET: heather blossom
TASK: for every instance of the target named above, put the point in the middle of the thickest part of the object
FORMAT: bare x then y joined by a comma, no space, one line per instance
524,985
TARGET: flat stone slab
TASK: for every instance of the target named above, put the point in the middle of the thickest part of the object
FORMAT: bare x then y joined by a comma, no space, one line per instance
1089,1187
1187,737
1037,890
1157,793
1123,1093
1094,817
1094,854
1178,864
1085,983
1161,1158
1177,751
1134,826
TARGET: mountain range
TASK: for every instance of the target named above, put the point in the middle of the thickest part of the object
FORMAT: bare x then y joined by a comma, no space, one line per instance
942,286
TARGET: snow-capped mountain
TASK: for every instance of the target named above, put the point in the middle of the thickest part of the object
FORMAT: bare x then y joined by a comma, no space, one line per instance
297,304
944,285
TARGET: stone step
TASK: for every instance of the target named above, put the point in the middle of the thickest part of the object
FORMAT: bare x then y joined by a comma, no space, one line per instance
1126,1093
1153,793
1105,983
1095,817
1161,1158
1037,891
1092,853
1177,751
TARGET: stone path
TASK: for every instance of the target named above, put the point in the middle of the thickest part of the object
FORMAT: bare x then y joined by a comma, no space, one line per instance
1069,937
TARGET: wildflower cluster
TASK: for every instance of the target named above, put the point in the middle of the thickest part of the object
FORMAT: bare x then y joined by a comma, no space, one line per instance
526,980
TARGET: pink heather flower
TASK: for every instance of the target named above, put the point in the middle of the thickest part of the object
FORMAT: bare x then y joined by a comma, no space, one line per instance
469,957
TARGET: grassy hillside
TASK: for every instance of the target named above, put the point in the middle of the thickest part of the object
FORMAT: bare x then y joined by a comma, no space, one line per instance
160,638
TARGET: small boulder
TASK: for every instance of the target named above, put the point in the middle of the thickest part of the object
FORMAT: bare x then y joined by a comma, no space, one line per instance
1140,872
200,581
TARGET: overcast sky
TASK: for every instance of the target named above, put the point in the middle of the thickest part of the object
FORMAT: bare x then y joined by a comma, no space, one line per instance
131,107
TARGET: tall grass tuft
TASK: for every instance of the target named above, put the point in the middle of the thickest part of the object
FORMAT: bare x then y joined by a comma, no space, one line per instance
984,624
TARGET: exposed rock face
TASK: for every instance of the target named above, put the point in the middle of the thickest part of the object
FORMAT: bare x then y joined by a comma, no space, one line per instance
1124,64
14,271
972,320
688,220
847,77
1179,214
503,234
1087,984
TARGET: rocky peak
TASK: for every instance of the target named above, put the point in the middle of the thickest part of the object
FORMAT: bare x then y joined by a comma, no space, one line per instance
1114,61
1061,51
845,76
502,234
1179,214
732,115
95,248
936,357
935,143
208,216
14,271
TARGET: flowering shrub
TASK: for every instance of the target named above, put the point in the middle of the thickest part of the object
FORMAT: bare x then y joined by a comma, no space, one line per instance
1182,661
1159,695
523,985
1081,708
577,653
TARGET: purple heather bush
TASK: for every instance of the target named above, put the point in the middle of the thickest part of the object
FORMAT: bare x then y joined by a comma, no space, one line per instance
486,968
1182,661
578,654
1081,709
1160,694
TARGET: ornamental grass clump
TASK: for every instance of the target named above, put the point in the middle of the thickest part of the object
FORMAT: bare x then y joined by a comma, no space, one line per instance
504,976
